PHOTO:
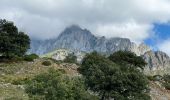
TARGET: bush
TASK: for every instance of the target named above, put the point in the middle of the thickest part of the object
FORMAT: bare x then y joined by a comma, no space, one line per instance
157,77
46,63
166,82
53,85
30,57
166,78
21,81
166,85
150,78
71,58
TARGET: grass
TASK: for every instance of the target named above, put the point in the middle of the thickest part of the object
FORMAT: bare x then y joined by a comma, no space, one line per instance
12,92
14,74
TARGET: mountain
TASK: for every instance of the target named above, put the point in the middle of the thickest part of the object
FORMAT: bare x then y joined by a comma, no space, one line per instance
77,40
158,63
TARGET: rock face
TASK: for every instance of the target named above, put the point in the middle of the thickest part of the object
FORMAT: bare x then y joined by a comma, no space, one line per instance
75,38
78,40
158,63
61,54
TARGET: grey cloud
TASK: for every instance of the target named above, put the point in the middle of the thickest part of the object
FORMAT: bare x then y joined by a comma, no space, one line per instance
113,18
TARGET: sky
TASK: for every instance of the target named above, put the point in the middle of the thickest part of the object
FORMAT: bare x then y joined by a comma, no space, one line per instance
139,20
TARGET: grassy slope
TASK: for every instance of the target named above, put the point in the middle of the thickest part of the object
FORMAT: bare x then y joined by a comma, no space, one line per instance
9,73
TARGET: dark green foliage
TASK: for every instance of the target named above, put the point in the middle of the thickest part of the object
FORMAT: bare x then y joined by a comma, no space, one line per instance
166,78
71,58
56,86
21,81
12,42
151,78
110,81
46,63
30,57
166,83
155,78
127,57
11,60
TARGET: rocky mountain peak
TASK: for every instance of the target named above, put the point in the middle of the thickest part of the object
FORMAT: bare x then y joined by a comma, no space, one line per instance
74,38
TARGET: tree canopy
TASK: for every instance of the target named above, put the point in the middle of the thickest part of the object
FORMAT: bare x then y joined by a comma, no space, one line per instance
12,42
127,57
108,79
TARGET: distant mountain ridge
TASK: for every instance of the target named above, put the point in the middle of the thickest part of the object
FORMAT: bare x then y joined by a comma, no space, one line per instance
76,39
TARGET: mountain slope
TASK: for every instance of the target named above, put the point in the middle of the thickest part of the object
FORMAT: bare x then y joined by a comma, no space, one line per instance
158,63
75,38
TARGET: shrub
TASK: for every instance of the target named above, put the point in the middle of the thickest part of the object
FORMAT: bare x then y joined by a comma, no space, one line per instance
166,82
30,57
166,78
150,78
53,85
71,58
166,85
157,77
46,63
21,81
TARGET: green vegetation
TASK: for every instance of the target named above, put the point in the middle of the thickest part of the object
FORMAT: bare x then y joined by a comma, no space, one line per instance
12,92
102,78
30,57
46,63
126,57
71,58
55,86
12,42
110,79
166,83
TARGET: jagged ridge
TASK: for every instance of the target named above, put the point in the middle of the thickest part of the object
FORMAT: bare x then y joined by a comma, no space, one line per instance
77,39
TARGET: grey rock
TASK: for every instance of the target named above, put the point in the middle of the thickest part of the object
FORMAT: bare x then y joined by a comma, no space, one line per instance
157,63
76,39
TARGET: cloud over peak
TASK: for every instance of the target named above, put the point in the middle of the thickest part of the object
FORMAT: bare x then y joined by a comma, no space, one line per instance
111,18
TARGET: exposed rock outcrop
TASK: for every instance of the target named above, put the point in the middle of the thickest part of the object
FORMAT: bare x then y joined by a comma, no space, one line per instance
78,40
158,63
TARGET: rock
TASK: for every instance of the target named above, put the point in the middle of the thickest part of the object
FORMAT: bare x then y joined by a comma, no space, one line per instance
158,62
80,41
76,39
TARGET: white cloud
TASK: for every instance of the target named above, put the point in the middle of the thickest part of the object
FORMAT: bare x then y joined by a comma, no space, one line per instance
112,18
165,46
132,30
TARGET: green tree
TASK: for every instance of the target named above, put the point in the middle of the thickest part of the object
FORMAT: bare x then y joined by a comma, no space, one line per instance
23,43
12,42
109,80
53,85
127,57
